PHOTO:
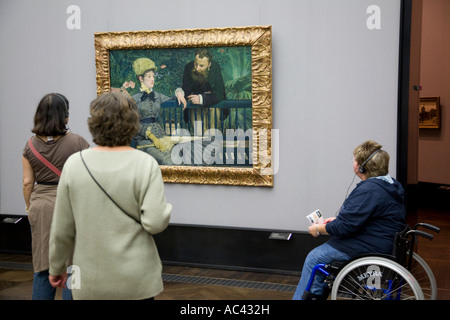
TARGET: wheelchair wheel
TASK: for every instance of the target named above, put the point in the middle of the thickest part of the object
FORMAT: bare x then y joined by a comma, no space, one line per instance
375,278
424,276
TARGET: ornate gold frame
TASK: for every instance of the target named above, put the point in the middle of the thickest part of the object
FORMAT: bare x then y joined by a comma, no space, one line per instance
260,40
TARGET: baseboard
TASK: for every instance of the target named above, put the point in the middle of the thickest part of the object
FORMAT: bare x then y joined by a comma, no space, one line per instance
433,196
235,248
15,234
204,246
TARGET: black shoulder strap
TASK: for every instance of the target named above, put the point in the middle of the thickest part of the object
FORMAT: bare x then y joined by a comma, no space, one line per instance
107,194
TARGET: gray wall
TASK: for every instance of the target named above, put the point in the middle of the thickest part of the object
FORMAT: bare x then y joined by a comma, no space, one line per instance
334,86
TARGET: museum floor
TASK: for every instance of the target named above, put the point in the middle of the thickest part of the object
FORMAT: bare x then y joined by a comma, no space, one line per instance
185,283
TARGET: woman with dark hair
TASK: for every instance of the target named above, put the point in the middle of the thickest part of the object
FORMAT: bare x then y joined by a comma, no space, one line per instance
110,202
43,158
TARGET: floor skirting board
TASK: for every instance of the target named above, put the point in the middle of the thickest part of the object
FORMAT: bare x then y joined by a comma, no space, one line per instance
236,248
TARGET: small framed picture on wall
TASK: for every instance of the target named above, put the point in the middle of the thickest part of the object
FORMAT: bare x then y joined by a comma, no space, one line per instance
429,113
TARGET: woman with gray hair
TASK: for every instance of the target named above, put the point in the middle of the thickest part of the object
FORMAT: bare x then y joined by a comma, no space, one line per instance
110,202
367,221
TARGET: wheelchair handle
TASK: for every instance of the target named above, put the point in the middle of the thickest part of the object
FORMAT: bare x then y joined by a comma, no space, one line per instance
427,226
421,233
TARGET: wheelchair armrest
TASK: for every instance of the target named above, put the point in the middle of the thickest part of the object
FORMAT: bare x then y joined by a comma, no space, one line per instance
336,265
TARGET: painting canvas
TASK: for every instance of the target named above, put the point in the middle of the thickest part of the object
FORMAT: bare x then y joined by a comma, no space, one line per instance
172,67
204,98
429,113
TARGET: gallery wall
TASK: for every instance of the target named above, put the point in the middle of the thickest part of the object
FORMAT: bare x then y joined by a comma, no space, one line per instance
335,79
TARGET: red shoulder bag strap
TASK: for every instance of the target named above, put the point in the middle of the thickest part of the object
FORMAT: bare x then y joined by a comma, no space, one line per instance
43,160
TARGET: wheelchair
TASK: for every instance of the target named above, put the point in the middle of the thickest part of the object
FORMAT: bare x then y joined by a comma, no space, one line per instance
403,275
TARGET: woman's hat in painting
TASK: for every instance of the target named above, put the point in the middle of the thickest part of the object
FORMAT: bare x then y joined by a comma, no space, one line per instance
143,64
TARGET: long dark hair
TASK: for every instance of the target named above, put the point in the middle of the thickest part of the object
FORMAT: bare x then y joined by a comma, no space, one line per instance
51,114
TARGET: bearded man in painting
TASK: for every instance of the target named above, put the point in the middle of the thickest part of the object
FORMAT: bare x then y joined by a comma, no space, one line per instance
203,86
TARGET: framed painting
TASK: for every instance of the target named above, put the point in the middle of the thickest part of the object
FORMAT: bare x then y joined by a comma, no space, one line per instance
429,113
204,97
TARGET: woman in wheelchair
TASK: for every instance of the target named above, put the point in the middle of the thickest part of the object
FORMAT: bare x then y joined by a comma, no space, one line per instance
367,222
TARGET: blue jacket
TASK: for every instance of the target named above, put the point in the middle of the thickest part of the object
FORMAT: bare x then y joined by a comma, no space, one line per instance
371,215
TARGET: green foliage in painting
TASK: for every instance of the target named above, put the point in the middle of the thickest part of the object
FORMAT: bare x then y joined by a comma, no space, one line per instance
235,63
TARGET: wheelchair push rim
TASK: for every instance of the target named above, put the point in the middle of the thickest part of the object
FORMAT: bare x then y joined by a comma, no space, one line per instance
375,278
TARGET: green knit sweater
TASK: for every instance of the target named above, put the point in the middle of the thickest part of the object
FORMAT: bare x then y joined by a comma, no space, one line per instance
116,255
